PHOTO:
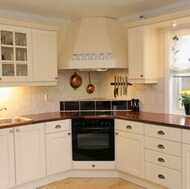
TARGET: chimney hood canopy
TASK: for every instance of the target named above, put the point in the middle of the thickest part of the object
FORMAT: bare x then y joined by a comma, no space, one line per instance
94,43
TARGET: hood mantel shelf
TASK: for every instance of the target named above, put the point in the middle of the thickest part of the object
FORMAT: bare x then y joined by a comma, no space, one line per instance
99,36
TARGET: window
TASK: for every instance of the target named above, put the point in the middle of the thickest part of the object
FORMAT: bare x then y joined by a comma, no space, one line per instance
179,66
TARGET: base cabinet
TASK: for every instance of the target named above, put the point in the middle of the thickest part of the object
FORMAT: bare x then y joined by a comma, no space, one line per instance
7,164
186,159
58,141
22,156
29,152
129,148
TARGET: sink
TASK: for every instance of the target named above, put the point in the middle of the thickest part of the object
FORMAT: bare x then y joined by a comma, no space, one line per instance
12,120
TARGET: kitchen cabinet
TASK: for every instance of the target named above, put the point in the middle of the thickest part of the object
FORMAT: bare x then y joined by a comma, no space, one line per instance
22,154
29,152
58,149
143,54
44,56
7,164
163,155
130,147
15,51
186,159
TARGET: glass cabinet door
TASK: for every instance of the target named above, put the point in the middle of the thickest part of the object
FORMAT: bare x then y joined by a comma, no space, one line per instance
15,64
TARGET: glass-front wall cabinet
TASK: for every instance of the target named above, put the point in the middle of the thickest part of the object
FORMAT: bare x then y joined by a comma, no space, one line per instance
15,53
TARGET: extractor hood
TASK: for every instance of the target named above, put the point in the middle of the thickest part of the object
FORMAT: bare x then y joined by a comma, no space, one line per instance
94,43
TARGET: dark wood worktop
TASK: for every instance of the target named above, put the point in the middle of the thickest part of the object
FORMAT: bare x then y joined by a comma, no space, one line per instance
170,120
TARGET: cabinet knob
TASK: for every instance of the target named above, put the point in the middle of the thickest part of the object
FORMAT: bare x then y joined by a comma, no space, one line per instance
128,127
17,130
68,133
141,75
11,131
57,126
160,146
56,78
116,133
161,160
93,165
161,176
161,132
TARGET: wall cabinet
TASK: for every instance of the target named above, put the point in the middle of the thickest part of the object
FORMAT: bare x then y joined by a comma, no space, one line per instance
163,155
15,51
58,149
130,147
44,56
28,56
7,164
143,54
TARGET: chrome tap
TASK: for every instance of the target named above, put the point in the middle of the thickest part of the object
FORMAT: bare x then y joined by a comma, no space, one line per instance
3,109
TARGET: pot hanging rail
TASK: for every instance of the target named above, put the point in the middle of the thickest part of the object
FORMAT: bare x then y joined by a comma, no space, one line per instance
75,81
90,87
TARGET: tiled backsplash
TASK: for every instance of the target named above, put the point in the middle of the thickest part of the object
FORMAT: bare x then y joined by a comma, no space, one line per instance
107,105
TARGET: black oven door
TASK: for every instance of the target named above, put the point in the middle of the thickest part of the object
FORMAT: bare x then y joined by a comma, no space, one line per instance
93,143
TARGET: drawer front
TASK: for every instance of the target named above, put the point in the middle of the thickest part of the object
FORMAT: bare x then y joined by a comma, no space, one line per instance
162,132
186,136
129,126
161,159
164,176
57,126
163,146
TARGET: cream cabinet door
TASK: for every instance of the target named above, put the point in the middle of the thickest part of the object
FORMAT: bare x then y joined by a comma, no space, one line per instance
130,153
7,166
15,54
44,55
143,54
59,157
29,152
186,166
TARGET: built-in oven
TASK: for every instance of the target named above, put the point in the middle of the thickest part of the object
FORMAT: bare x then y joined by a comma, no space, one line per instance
93,139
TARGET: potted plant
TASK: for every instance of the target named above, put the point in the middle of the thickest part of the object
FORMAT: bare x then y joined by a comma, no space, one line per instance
185,100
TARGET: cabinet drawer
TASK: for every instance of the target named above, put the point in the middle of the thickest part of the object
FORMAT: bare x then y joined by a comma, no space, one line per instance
162,132
164,146
129,126
164,176
165,160
93,165
186,136
57,126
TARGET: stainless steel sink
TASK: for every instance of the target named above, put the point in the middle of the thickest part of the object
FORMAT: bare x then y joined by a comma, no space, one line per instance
13,120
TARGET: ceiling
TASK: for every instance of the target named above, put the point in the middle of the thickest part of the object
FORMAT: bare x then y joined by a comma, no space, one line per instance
69,10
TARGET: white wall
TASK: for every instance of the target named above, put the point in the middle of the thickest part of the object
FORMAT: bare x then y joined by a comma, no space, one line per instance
30,100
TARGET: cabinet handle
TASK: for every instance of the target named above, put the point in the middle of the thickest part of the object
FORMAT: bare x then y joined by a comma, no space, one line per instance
58,126
128,127
161,176
161,132
69,133
160,146
11,131
17,130
93,165
161,160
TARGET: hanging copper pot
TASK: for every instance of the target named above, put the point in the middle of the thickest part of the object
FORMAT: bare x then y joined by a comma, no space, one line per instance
90,87
75,81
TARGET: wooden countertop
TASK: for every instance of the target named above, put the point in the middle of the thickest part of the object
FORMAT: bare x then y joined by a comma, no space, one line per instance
170,120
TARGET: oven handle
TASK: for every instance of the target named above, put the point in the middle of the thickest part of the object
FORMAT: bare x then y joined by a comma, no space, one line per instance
93,128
